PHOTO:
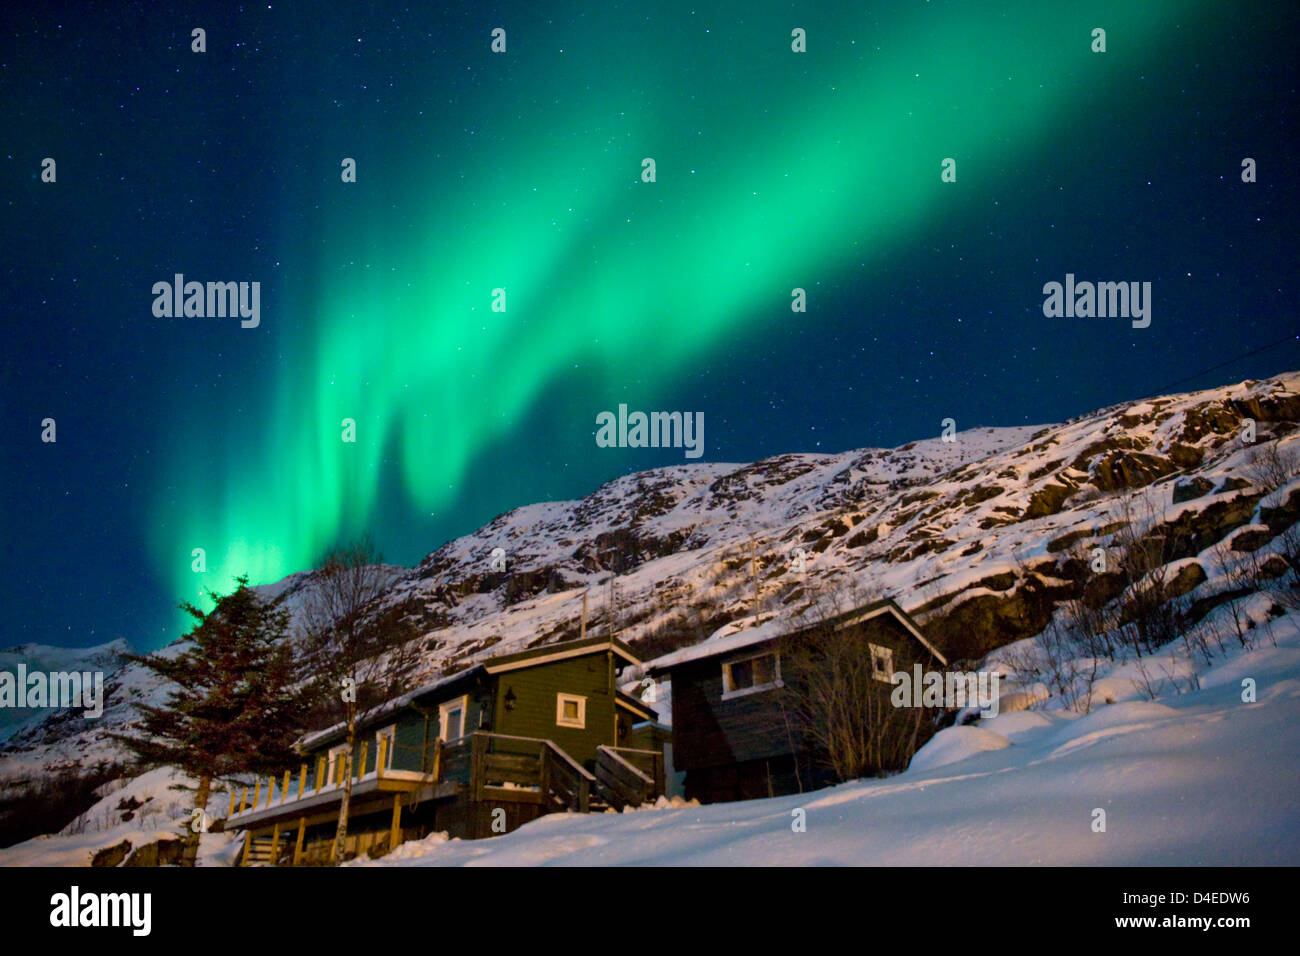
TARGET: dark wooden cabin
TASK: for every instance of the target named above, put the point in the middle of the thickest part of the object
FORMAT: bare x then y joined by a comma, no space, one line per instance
475,754
730,734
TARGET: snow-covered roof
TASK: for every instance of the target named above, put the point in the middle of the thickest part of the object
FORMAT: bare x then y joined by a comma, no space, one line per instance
390,705
739,634
529,657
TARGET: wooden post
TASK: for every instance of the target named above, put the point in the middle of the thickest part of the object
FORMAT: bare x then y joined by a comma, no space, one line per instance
248,842
383,756
544,774
361,765
243,799
302,829
477,746
257,792
231,811
275,845
613,690
395,833
270,788
284,790
302,780
437,760
320,772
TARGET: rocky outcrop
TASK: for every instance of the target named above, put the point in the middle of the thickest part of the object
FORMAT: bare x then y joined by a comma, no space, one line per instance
157,853
112,855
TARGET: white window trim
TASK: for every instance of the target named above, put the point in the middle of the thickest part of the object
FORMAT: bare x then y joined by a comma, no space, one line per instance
728,692
560,701
391,733
445,709
888,652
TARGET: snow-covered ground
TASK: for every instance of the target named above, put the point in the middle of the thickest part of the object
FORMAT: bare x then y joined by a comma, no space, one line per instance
1189,779
144,810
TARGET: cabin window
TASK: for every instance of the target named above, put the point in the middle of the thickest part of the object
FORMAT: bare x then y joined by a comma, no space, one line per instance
570,710
882,663
451,717
389,733
749,675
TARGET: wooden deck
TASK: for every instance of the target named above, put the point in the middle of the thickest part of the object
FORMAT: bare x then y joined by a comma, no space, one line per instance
483,781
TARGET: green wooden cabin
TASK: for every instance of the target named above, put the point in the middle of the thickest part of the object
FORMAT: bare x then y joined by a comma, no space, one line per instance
475,753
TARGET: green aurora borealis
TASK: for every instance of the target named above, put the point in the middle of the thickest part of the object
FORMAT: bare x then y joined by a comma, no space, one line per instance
774,171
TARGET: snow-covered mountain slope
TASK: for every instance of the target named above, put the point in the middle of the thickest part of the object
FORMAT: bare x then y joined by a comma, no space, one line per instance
39,657
974,534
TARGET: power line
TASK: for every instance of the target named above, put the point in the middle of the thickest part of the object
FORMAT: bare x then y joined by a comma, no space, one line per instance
1164,389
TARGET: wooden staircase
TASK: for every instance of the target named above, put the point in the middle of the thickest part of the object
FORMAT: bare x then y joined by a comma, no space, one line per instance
628,777
256,850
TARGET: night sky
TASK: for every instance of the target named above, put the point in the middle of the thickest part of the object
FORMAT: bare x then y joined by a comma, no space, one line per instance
522,170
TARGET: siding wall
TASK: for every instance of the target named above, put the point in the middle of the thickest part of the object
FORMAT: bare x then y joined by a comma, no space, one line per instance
535,689
711,732
411,732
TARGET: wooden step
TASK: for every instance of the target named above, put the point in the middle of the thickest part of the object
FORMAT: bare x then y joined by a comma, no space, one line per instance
257,851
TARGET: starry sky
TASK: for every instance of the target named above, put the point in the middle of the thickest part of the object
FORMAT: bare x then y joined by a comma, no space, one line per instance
522,171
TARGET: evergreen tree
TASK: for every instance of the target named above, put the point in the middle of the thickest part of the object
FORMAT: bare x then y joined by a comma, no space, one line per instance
233,708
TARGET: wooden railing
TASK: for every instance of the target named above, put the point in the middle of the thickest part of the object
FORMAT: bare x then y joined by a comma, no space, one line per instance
323,777
629,777
488,765
536,770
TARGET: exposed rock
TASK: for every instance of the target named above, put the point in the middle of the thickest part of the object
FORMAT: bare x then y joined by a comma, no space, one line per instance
1118,470
158,853
1284,515
1274,566
1189,577
1083,461
1232,483
1185,489
1271,408
1185,456
863,537
112,855
1194,531
987,621
1048,500
1251,539
1208,419
1065,540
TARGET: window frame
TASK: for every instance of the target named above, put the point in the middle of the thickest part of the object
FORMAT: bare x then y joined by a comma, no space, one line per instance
580,723
445,708
876,673
729,690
